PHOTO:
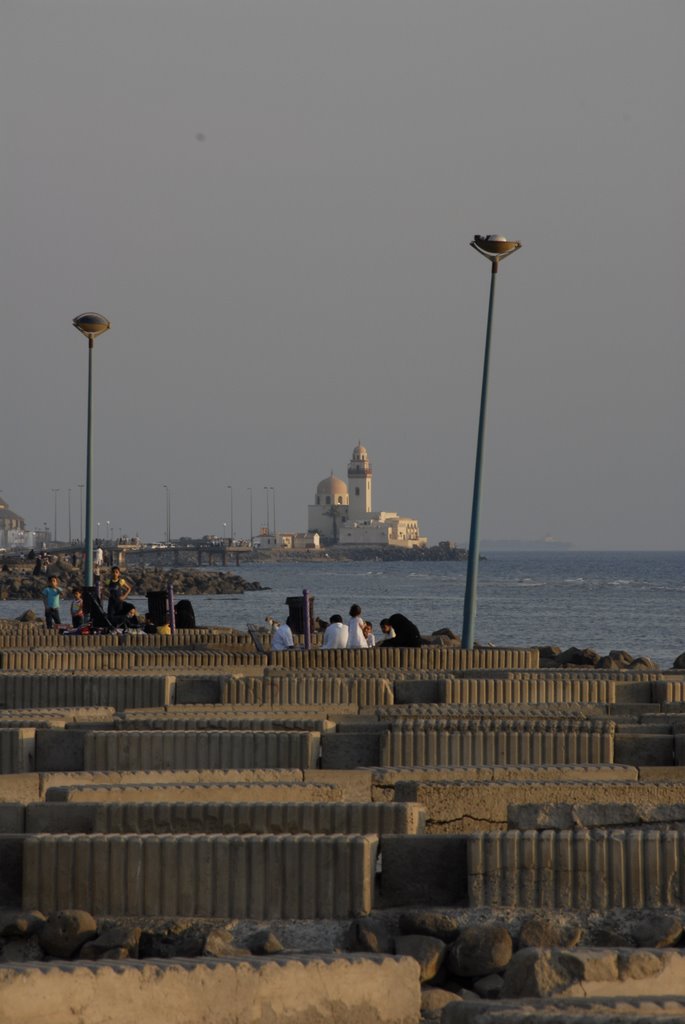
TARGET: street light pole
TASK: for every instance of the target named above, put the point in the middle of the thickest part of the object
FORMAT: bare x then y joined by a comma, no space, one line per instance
251,533
266,490
168,513
495,248
230,507
80,487
55,492
273,496
90,325
69,512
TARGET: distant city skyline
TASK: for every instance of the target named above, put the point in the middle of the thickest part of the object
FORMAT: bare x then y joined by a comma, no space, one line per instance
273,202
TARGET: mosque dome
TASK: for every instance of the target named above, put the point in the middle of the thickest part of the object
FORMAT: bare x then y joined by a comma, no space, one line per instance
333,488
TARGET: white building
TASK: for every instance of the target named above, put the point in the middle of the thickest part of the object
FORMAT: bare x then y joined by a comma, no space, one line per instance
343,513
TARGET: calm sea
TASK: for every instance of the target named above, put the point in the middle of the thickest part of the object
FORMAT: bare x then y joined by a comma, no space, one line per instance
604,600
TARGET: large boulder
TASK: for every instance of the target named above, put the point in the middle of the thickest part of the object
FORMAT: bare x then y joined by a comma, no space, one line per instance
65,931
427,951
576,656
480,950
112,944
440,924
547,930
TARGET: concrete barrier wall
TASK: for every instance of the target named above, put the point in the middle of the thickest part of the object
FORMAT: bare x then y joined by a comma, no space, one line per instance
48,690
121,659
17,750
440,658
586,869
239,818
197,792
470,743
131,750
350,989
519,690
262,877
571,711
307,689
244,723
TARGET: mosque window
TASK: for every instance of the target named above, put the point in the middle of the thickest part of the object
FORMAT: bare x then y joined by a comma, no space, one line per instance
356,491
328,499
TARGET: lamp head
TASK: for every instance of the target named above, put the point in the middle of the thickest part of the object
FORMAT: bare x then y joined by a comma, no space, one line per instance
91,324
494,247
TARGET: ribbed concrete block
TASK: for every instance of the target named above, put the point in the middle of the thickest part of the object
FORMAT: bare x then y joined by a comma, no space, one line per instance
593,869
344,989
568,1010
493,712
263,877
198,792
60,689
307,688
521,690
469,743
260,818
244,723
17,750
131,750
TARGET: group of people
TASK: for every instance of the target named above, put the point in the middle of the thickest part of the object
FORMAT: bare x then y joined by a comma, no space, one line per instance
119,610
356,634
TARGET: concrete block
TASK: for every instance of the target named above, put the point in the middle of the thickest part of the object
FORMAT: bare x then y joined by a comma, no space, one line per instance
586,869
130,750
350,750
345,989
262,877
50,780
355,784
198,691
416,691
11,877
196,792
17,750
60,750
60,816
644,748
20,788
567,1010
593,815
12,817
429,870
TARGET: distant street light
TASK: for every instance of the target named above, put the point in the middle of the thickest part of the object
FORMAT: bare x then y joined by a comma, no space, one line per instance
230,494
91,325
80,487
273,495
251,533
55,492
69,512
168,513
266,490
495,248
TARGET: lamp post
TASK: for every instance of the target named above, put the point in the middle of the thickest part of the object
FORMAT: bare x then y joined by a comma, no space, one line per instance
251,533
80,487
90,325
55,492
230,508
69,512
168,513
495,248
266,491
273,496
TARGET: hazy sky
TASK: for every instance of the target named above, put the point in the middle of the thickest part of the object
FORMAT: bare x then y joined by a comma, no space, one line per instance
272,201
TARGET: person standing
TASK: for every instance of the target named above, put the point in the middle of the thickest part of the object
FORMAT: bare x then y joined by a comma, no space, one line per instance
335,635
51,596
355,625
77,608
119,590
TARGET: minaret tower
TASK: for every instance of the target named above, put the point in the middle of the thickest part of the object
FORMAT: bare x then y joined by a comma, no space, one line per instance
359,478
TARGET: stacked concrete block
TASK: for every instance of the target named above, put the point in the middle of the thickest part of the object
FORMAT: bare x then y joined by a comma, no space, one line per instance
587,869
527,690
474,742
307,688
17,750
569,710
196,792
61,689
227,817
211,722
433,658
345,989
202,875
131,750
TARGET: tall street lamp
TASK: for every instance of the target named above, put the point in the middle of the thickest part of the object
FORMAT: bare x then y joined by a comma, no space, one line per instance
495,248
230,508
55,492
69,512
266,491
273,496
251,533
168,513
80,487
90,325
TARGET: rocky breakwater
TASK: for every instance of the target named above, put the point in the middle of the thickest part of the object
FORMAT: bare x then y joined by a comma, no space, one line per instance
19,583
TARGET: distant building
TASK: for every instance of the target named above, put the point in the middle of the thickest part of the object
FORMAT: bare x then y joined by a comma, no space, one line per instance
343,514
12,528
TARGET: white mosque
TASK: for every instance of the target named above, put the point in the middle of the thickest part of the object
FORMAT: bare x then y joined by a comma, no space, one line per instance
342,512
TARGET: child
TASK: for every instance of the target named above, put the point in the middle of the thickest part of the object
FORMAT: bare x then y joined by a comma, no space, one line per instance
51,596
77,608
368,633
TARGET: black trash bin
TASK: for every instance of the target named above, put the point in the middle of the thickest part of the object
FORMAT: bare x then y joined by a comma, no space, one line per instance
157,606
296,613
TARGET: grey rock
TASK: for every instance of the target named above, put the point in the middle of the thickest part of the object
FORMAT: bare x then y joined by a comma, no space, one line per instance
434,1000
576,656
480,950
605,935
21,951
533,972
65,931
176,940
22,925
443,925
265,943
656,930
588,965
643,663
111,939
221,942
489,987
547,930
679,663
429,952
370,935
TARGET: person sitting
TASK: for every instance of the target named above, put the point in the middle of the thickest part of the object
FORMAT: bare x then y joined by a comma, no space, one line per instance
406,633
282,639
387,630
368,633
335,635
